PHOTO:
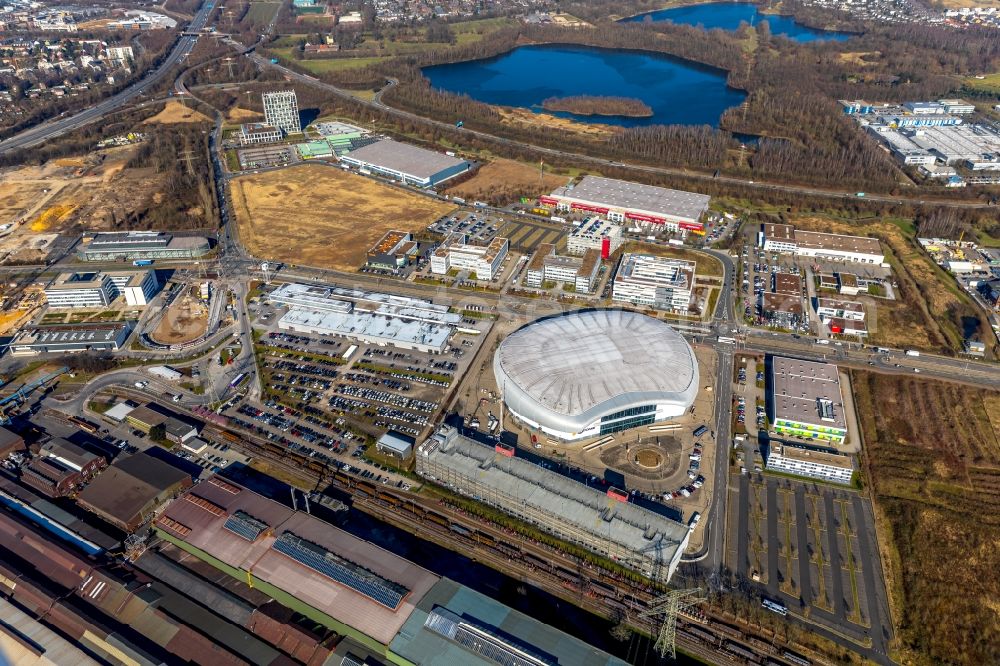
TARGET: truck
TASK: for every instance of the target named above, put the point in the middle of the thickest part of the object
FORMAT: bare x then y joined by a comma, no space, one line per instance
912,352
142,262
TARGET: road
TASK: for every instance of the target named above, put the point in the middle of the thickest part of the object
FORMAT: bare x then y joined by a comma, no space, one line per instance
55,128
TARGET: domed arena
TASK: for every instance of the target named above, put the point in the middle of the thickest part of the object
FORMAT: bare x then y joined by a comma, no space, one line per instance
595,372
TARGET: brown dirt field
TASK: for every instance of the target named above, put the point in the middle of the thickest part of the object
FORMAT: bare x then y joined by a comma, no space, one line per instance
186,319
922,314
17,198
932,460
238,115
514,116
859,58
508,176
174,112
322,216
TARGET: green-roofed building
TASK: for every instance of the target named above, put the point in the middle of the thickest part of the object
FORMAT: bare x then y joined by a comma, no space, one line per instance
314,149
454,624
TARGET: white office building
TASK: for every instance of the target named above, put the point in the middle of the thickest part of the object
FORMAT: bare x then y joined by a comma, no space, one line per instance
595,233
812,463
81,290
281,110
832,308
138,287
483,261
546,266
786,239
658,282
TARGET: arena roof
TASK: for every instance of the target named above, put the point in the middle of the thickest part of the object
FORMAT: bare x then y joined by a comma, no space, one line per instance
567,371
404,158
623,194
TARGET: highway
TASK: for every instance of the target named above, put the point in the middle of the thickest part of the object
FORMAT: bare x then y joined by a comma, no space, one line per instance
58,127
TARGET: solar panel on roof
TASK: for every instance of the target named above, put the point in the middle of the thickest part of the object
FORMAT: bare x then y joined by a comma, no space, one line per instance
244,525
336,568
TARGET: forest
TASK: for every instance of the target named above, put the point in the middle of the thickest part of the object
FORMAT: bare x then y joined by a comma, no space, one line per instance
791,104
599,105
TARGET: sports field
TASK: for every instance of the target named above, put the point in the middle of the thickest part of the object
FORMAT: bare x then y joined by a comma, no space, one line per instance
322,216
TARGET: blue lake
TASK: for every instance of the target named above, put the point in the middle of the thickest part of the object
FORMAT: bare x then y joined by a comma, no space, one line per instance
728,15
678,91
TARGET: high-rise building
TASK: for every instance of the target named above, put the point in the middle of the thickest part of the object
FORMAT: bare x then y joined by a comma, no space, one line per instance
281,110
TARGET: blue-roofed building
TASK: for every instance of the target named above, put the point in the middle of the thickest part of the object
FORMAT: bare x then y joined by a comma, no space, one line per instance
454,624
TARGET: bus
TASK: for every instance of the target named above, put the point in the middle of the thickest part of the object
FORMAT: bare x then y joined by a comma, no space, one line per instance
238,380
774,607
727,341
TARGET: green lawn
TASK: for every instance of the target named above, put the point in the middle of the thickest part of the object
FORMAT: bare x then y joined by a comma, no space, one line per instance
327,64
990,83
262,12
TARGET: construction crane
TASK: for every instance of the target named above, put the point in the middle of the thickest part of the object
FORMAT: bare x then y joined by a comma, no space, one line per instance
23,391
668,606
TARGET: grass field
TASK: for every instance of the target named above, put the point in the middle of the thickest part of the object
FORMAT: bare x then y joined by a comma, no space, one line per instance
929,308
174,112
323,216
503,181
989,83
262,12
932,460
327,64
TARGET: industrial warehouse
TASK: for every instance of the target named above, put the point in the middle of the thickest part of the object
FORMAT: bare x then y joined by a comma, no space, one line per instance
131,245
69,338
786,239
366,317
406,163
661,283
806,401
624,202
635,537
595,372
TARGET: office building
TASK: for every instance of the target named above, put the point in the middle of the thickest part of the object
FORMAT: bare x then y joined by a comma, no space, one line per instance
80,291
281,110
633,203
636,538
812,463
806,401
481,262
785,239
595,233
406,163
579,272
138,287
830,308
252,133
393,251
660,283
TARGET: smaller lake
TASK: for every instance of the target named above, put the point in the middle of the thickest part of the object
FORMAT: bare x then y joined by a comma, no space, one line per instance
679,92
728,15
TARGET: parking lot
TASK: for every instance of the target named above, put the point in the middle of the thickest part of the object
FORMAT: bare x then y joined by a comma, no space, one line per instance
527,234
480,227
809,546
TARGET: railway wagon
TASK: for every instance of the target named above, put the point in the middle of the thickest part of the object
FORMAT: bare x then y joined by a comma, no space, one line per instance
797,659
706,636
727,630
740,651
